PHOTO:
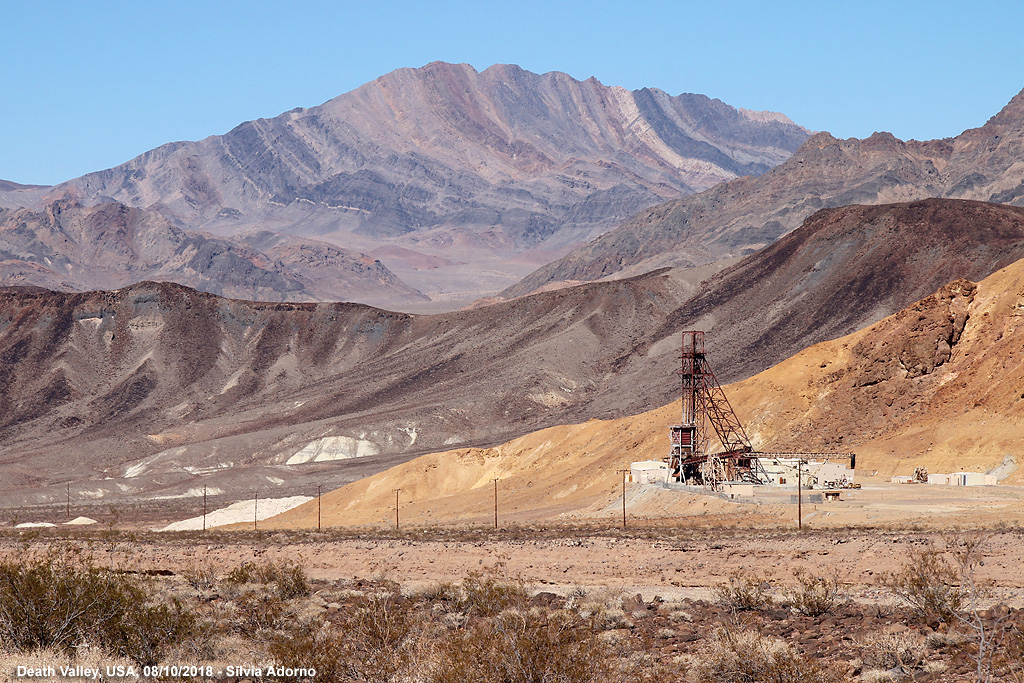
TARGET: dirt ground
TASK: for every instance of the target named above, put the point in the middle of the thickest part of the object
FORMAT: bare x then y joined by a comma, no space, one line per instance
869,532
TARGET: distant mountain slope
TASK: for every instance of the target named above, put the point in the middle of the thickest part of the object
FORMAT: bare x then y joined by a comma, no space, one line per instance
445,145
743,215
937,385
17,195
159,377
68,246
844,269
453,164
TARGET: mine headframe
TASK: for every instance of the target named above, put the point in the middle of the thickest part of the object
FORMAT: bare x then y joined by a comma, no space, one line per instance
705,407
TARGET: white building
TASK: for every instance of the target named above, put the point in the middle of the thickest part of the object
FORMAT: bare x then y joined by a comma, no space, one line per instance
813,473
649,472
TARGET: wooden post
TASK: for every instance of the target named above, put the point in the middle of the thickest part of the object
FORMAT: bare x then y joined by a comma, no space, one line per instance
318,507
799,495
495,503
623,497
396,508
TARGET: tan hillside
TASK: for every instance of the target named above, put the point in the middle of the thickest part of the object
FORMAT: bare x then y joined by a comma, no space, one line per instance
938,385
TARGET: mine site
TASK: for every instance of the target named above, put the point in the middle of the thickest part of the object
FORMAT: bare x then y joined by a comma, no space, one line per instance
507,374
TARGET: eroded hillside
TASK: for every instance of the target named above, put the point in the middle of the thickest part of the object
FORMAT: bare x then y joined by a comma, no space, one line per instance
937,385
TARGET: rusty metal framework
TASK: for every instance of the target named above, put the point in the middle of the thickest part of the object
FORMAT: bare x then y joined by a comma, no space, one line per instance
705,407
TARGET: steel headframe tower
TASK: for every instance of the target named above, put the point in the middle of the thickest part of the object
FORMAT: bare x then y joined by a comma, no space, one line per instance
704,404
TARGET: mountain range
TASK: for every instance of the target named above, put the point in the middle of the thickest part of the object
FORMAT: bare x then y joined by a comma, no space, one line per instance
492,173
156,386
743,215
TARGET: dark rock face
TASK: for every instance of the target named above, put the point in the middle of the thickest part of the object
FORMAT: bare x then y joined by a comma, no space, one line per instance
745,214
160,378
68,246
542,157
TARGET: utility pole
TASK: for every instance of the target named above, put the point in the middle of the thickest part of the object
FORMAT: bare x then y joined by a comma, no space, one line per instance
69,501
396,508
799,494
255,508
204,508
318,507
623,497
495,503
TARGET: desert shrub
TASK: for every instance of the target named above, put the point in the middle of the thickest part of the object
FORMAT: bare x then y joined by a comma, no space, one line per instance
517,646
379,637
894,650
314,644
287,577
744,592
929,585
260,610
61,600
486,595
747,657
814,595
200,577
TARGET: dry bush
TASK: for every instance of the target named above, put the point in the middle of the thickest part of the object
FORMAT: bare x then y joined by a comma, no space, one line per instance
485,595
929,585
200,577
380,635
815,595
906,651
315,644
744,592
517,646
288,578
747,657
60,600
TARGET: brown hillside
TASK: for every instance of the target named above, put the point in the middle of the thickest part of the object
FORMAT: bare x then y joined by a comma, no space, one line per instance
940,385
158,388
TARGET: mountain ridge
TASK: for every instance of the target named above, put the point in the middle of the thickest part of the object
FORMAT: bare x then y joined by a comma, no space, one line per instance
746,214
495,172
69,247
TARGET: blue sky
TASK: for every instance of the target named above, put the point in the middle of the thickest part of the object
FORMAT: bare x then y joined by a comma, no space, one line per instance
88,85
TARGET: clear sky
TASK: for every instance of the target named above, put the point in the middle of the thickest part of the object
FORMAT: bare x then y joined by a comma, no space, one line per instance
87,85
